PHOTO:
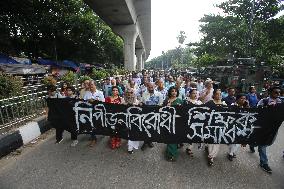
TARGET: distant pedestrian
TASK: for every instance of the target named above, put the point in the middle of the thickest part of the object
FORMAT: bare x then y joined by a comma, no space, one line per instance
252,97
230,99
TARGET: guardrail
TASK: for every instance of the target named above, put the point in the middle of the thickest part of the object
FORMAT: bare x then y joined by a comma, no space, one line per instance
30,104
17,109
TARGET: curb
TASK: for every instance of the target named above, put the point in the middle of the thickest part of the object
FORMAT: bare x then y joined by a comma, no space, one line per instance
23,135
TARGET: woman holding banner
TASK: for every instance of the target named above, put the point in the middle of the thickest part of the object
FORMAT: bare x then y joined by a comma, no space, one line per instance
192,100
213,149
115,142
172,100
241,102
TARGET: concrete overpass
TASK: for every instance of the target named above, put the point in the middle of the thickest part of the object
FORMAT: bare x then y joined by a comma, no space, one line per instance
131,20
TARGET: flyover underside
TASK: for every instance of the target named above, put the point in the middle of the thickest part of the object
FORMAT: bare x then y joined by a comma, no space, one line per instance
131,20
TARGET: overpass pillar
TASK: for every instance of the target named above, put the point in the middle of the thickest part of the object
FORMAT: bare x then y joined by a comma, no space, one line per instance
139,53
129,34
143,60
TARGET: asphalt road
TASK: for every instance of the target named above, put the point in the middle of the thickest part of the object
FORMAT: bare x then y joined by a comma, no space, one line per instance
46,165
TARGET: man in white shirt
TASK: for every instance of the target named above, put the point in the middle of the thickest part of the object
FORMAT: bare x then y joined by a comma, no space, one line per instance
142,88
151,97
161,88
93,95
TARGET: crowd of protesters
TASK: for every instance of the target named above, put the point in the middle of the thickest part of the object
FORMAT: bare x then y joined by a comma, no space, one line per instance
168,89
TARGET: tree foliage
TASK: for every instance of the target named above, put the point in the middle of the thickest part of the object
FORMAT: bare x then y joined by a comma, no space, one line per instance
61,29
99,74
69,77
181,37
10,85
175,58
246,28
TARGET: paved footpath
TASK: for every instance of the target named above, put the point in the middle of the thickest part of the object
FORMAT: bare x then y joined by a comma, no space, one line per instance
46,165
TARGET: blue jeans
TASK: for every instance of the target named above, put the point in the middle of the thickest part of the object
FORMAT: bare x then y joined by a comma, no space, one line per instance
262,154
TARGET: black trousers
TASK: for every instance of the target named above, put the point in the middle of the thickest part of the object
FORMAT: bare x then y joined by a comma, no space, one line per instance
59,134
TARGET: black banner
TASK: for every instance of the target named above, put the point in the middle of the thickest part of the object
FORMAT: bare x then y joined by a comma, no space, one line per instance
165,124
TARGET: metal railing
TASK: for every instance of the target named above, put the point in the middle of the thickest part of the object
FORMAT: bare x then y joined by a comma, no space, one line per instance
18,109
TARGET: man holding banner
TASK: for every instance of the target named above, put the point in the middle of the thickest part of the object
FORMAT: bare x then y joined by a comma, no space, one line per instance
213,123
94,95
272,100
151,97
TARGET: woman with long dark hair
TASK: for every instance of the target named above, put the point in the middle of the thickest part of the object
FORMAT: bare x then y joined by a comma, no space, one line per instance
172,100
241,102
192,99
63,90
213,149
115,142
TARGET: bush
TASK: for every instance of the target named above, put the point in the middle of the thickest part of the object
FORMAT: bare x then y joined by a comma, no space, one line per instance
121,71
117,71
49,80
99,74
69,77
83,78
10,85
112,72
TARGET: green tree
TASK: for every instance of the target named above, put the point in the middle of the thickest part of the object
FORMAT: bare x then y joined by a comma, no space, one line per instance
62,29
181,37
172,59
10,85
245,27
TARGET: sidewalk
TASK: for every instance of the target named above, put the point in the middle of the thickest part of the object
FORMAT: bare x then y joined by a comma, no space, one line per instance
23,135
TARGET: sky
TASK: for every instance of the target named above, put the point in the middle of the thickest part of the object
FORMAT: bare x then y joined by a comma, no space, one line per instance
171,16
